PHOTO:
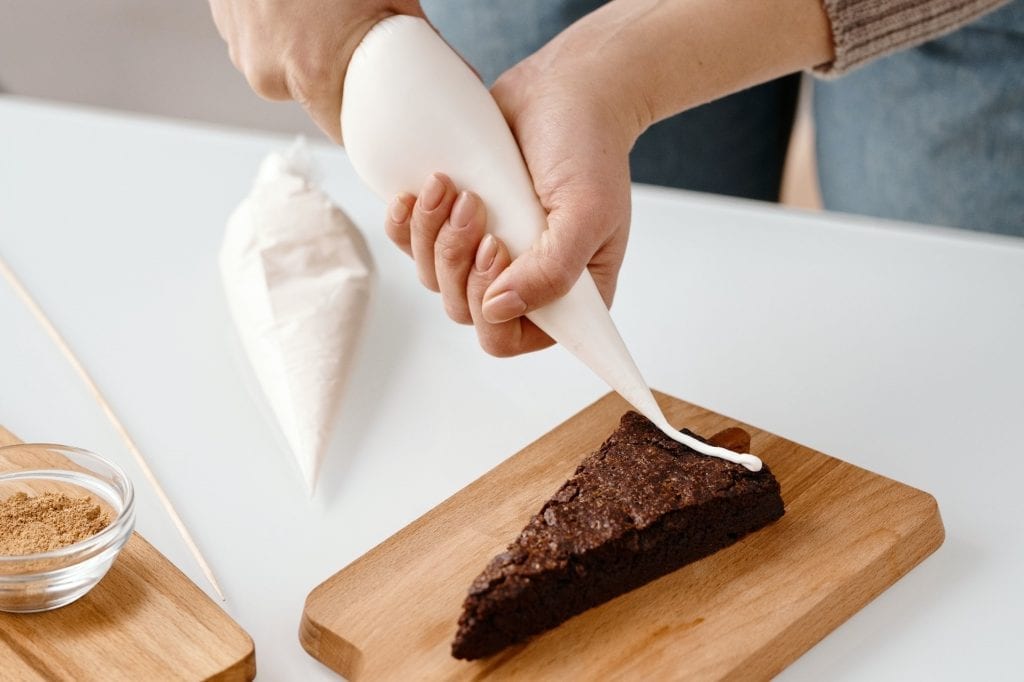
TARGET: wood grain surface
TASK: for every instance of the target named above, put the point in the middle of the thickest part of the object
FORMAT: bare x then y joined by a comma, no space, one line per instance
745,612
144,621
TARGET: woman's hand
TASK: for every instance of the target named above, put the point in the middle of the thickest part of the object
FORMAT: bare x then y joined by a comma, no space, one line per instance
300,49
576,146
576,141
443,230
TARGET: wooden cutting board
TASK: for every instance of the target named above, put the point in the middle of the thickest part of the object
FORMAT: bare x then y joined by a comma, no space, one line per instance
144,621
743,613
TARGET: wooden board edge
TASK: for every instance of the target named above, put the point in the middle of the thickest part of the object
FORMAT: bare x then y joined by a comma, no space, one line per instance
242,669
330,649
245,667
875,578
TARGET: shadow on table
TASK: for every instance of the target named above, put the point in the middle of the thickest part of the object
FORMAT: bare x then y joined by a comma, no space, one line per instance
390,329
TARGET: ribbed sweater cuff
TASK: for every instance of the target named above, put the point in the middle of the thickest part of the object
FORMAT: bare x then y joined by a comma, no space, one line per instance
863,30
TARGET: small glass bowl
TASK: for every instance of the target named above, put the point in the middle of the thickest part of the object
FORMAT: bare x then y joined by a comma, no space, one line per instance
49,580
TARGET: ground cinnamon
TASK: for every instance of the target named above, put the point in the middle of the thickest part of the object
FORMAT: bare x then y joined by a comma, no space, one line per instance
29,525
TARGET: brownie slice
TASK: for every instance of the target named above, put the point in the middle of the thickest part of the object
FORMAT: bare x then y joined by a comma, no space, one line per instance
638,508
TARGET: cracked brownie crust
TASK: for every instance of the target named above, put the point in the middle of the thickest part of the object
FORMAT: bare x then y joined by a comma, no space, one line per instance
638,508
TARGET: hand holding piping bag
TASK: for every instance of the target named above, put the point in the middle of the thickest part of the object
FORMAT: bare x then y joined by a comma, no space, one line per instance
299,49
583,187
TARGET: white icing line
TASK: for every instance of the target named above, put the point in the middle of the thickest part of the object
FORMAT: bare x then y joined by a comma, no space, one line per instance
751,462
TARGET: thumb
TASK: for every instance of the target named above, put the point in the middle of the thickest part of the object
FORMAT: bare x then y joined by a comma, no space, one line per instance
548,270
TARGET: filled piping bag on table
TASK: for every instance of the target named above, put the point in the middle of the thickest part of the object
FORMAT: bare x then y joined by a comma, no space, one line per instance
298,279
412,107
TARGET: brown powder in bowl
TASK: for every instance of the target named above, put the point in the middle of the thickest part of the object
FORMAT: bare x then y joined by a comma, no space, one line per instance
29,525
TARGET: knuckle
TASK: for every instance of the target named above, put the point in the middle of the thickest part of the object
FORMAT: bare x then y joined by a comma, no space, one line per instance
553,265
307,77
424,225
265,82
556,277
450,255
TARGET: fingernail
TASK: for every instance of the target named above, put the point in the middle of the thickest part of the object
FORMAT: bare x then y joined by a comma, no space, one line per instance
504,307
486,253
399,210
464,210
433,192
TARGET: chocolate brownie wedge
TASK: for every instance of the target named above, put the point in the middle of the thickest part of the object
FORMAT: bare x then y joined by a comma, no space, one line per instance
638,508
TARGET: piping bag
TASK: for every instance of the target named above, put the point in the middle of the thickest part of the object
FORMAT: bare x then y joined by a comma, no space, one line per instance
413,107
298,278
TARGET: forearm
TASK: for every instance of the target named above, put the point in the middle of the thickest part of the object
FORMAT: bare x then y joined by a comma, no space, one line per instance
655,58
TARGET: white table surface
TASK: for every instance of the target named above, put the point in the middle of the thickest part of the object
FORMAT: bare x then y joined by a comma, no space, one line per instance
896,347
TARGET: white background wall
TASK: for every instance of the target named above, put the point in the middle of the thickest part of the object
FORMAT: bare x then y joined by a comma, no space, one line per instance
155,56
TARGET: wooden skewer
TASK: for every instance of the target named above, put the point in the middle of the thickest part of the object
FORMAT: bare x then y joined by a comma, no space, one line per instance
65,349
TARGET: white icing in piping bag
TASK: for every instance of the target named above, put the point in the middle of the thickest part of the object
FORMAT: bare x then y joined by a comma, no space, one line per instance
412,107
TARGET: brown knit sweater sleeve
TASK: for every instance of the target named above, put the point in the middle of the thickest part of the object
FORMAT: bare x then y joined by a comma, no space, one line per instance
863,30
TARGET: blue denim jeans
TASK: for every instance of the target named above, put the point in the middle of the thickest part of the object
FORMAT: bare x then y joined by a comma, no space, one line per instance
933,135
